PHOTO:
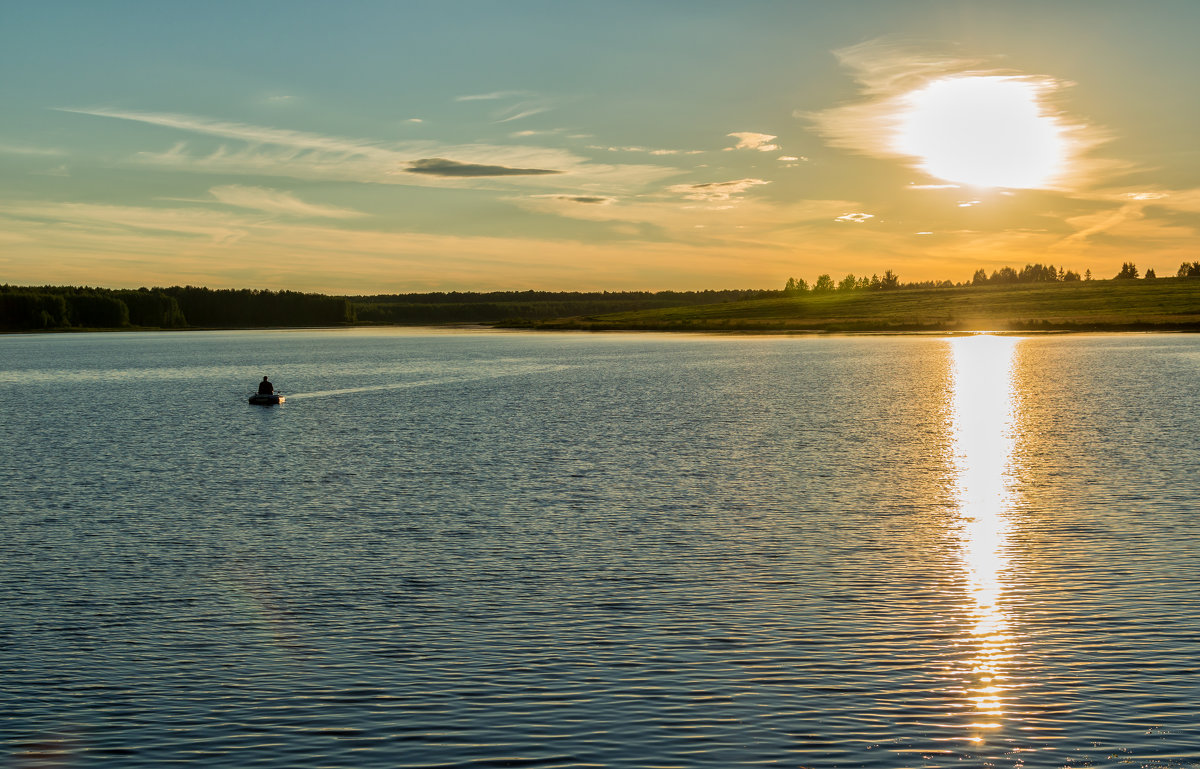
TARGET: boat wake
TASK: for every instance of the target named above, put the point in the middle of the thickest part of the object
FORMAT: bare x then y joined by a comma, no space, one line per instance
418,383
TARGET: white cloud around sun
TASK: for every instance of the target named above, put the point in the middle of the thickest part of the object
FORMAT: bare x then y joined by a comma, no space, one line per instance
961,121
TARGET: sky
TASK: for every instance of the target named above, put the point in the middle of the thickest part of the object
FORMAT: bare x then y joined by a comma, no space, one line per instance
388,147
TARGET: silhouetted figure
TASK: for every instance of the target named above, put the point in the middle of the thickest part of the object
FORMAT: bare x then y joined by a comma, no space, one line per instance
265,387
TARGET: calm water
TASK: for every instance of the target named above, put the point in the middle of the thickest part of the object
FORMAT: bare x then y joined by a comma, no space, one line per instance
487,550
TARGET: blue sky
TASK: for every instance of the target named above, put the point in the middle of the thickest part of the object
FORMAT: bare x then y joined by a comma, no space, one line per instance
368,147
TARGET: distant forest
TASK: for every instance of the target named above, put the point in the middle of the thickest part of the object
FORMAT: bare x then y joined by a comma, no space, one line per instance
64,307
458,307
70,307
38,308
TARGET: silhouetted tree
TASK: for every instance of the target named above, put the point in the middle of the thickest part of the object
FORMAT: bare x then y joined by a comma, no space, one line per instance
153,309
31,309
1004,275
824,283
890,280
796,285
979,278
1187,270
1037,273
1072,276
848,283
1150,273
96,309
1129,271
1087,275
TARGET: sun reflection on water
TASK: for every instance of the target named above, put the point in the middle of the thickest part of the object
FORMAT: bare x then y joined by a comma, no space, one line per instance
983,418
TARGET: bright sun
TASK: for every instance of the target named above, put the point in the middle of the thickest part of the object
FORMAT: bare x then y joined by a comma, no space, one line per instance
986,131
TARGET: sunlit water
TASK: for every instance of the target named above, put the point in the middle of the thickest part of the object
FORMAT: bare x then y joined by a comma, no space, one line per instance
485,550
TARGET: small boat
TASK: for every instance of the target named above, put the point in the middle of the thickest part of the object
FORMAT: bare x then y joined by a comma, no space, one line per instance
260,399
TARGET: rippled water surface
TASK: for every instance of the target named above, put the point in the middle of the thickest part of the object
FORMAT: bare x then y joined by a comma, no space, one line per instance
487,550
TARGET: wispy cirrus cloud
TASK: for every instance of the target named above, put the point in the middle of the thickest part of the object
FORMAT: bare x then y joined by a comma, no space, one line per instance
754,223
646,150
261,150
524,104
493,95
519,112
242,131
93,219
29,150
1156,214
276,202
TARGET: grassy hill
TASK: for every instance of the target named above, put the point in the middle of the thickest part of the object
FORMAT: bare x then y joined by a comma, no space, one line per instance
1164,304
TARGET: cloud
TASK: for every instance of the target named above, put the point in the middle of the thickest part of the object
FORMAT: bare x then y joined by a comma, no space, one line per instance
600,200
275,202
1146,195
527,104
452,168
647,150
891,75
520,111
492,96
1141,213
716,191
303,155
756,224
242,131
749,140
25,149
857,218
89,219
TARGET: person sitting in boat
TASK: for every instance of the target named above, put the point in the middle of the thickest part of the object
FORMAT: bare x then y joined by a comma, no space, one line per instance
265,387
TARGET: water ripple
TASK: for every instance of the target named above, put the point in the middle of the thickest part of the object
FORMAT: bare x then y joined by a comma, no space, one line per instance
586,551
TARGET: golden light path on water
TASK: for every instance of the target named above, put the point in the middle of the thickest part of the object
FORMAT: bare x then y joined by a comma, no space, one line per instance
983,419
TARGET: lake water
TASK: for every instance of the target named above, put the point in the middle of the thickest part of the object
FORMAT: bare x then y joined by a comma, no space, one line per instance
513,550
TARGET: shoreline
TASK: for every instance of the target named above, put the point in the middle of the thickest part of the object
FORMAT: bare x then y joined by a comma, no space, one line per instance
600,328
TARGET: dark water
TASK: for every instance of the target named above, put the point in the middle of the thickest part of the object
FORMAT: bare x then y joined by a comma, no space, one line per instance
487,550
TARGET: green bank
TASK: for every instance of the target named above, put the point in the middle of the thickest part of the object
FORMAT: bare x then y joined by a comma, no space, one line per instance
1163,304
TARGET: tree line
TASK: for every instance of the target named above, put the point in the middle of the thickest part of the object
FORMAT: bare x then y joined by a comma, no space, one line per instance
63,307
1030,273
467,307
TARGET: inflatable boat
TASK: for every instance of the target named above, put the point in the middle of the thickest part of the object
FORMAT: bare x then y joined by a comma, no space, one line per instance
266,400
